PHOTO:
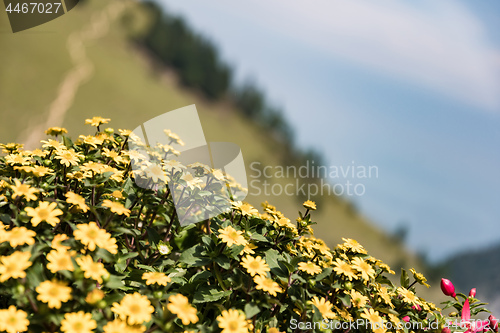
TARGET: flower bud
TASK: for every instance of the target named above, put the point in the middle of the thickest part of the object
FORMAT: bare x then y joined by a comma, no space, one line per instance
448,288
416,307
493,323
472,292
94,296
446,330
406,319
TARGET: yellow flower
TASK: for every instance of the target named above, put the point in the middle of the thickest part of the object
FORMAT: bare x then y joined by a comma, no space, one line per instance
78,175
53,293
232,321
77,200
60,260
309,205
96,121
134,308
344,268
20,236
44,212
266,284
91,235
119,326
116,326
23,190
78,322
383,293
92,270
324,307
309,268
364,268
125,133
94,296
353,245
358,299
68,157
53,144
174,137
322,247
116,207
179,305
117,194
91,140
156,277
14,159
248,249
386,268
419,277
113,155
408,296
231,237
13,320
40,153
245,208
40,171
94,167
11,147
14,266
377,323
394,319
55,131
56,242
108,243
273,330
255,266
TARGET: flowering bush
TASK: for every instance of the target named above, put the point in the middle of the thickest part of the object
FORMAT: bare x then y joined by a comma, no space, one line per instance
83,249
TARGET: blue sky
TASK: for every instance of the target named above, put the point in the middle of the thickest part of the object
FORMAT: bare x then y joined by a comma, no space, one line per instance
411,87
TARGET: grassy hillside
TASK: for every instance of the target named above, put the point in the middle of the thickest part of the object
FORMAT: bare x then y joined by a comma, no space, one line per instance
123,85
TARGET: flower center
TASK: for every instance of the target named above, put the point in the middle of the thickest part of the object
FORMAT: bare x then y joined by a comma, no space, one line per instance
233,325
43,214
135,308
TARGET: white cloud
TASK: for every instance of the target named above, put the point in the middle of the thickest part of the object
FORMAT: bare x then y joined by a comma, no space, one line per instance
436,44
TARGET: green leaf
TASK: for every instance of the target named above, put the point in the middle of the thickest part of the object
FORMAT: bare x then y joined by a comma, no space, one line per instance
382,279
234,251
251,309
209,294
121,263
194,256
405,279
153,236
127,231
222,261
272,258
345,298
326,272
387,310
203,275
116,282
67,141
259,238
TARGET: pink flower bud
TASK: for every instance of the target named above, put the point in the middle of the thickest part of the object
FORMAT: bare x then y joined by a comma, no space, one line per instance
416,306
493,323
472,292
446,330
448,288
406,319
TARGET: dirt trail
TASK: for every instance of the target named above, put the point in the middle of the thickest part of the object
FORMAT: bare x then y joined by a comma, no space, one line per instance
82,71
